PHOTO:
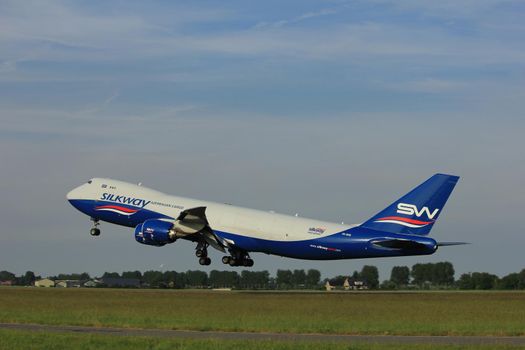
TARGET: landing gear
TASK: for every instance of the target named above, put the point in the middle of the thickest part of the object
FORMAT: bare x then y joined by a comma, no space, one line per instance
201,251
238,259
95,231
204,261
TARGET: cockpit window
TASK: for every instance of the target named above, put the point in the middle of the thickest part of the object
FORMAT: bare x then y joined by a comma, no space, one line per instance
90,181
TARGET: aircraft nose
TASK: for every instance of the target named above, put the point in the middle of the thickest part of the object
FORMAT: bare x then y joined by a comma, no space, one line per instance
73,194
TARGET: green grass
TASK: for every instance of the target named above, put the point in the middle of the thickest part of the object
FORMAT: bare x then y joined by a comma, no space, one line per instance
10,339
428,313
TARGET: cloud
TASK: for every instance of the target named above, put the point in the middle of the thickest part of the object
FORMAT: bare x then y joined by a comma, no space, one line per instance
428,86
297,19
331,112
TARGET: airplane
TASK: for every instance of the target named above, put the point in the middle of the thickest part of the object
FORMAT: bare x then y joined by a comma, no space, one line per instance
401,229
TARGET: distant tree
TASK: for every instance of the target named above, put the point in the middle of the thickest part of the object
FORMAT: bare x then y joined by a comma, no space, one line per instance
73,276
168,277
254,279
484,280
399,276
7,276
180,280
388,284
28,279
478,280
521,284
109,275
132,274
223,279
371,275
422,273
196,278
284,279
338,280
154,279
313,277
510,281
443,274
263,279
465,281
298,279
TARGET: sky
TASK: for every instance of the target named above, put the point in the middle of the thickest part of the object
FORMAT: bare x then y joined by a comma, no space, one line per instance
329,109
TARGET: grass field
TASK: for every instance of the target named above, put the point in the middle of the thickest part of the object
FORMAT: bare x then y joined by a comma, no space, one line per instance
427,313
37,340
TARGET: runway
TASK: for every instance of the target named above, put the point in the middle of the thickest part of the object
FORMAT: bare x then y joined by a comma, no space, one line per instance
167,333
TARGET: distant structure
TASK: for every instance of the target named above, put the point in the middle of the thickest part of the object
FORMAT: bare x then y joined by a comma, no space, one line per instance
349,283
68,283
346,285
358,284
91,284
45,282
6,283
329,287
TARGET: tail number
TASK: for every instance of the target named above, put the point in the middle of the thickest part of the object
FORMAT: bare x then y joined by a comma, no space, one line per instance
411,209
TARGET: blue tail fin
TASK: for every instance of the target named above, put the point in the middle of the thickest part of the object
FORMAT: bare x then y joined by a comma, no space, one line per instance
417,211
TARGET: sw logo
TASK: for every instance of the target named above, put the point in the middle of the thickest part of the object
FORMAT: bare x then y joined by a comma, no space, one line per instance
411,209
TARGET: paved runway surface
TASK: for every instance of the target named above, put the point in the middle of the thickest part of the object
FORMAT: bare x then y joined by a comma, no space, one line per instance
396,339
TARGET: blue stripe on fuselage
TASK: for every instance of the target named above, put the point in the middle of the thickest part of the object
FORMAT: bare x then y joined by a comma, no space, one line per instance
88,208
349,244
353,243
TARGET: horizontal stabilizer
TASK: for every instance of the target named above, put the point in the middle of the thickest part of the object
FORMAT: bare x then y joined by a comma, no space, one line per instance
444,244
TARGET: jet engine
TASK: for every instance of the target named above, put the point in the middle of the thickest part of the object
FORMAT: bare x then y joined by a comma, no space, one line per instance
155,232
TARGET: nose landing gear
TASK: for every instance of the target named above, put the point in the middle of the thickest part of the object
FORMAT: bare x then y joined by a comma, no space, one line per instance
95,231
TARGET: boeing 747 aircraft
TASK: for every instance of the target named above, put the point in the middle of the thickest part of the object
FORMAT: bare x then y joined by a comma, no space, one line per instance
159,219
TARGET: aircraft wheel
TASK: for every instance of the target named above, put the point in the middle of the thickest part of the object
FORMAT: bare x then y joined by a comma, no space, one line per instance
94,231
204,260
250,263
200,253
232,262
207,261
226,259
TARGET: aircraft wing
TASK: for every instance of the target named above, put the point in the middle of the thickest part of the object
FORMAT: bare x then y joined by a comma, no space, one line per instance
194,221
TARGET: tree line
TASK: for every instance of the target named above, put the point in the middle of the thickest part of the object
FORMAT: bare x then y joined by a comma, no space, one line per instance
420,276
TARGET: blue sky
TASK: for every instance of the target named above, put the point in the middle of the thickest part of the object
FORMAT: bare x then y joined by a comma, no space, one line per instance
327,108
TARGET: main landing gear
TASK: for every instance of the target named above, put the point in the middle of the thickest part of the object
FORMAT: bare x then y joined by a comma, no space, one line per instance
95,231
238,258
202,253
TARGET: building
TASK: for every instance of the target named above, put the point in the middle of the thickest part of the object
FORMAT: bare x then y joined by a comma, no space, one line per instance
328,286
349,283
346,285
6,283
357,284
91,284
68,283
45,282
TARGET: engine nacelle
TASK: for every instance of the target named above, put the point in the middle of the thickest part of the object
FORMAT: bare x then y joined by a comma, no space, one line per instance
155,232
